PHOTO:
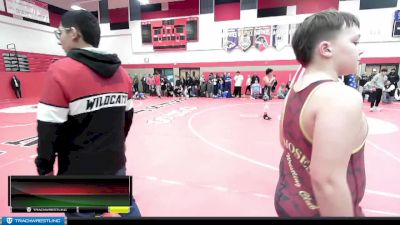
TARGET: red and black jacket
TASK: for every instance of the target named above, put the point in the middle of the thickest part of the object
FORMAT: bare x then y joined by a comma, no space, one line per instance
84,115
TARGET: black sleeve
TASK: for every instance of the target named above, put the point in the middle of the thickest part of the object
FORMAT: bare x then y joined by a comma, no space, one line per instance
52,113
46,146
128,121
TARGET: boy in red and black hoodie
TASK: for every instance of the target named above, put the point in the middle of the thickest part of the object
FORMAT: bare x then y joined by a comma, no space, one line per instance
85,110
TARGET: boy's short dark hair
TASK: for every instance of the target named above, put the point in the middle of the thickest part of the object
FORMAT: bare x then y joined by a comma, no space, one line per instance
86,23
268,71
384,70
317,27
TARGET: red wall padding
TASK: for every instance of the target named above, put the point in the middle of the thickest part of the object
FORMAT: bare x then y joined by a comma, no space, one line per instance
312,6
31,84
227,11
264,4
55,19
302,6
175,9
120,15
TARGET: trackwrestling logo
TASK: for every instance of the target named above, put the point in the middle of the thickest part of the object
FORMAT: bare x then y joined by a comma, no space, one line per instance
33,220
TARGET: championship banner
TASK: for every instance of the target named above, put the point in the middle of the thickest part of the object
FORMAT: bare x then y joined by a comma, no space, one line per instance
2,6
292,30
229,39
29,8
280,36
396,24
246,37
262,37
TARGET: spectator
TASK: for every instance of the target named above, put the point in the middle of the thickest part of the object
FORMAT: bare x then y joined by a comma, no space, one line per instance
136,83
393,77
151,84
169,90
196,86
157,83
215,83
255,90
248,84
220,88
238,84
389,88
178,89
190,83
203,87
163,86
144,84
228,85
367,90
378,86
16,85
282,91
210,86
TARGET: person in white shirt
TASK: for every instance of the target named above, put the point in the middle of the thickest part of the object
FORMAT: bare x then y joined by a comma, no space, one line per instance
238,84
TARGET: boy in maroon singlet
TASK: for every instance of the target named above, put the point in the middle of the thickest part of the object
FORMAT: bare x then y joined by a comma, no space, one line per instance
323,128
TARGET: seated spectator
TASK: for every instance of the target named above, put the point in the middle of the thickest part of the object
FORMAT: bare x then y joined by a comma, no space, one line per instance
255,90
389,88
282,91
139,96
169,90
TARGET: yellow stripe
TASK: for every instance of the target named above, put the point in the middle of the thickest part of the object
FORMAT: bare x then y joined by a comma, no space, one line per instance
119,209
305,134
365,139
283,111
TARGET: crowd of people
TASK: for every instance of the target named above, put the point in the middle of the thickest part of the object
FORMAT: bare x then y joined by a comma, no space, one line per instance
378,87
211,86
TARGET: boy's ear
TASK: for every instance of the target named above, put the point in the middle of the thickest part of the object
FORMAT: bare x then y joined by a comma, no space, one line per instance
325,49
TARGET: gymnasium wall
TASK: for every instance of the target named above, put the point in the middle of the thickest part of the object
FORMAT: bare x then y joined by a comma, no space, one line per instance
376,28
376,38
31,84
28,37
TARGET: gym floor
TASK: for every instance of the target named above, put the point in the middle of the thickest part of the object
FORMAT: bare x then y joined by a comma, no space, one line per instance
208,157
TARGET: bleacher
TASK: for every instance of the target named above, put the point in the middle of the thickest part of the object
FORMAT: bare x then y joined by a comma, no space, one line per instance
13,61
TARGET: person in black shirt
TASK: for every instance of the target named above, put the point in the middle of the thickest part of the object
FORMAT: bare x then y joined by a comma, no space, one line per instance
16,85
393,77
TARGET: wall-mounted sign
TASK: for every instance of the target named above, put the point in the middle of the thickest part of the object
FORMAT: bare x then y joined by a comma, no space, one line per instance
31,9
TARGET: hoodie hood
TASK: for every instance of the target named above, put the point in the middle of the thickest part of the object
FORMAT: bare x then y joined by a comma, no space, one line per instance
102,63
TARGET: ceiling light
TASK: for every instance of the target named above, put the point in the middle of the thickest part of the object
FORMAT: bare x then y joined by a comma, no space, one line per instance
144,2
76,7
